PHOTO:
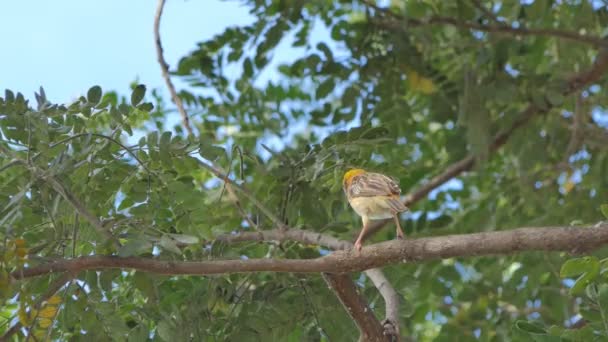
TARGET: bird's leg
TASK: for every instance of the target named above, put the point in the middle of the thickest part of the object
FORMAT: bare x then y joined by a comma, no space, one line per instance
359,242
399,231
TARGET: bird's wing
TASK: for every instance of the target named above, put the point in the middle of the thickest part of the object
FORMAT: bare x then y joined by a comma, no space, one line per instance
373,184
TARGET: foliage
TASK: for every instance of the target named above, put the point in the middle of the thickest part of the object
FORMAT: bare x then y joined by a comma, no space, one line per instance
366,89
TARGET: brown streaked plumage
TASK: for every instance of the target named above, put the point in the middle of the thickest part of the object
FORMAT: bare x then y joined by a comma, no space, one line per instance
373,196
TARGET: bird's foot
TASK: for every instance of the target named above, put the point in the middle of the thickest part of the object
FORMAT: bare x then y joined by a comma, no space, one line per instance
358,246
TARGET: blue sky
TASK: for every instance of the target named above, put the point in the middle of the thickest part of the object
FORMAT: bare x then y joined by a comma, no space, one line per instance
67,46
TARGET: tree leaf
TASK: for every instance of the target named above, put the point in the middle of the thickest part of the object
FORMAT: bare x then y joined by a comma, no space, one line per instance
530,327
169,244
138,94
94,95
186,239
574,267
325,88
604,210
134,247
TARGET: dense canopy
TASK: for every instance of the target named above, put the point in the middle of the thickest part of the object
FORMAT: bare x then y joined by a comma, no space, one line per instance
490,114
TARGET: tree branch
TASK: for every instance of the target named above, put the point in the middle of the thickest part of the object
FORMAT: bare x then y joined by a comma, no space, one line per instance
388,293
399,22
569,239
244,191
488,13
574,84
67,195
164,67
356,306
80,208
391,302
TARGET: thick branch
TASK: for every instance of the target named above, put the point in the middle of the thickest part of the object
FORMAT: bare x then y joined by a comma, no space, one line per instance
356,306
164,67
291,234
567,239
391,302
388,293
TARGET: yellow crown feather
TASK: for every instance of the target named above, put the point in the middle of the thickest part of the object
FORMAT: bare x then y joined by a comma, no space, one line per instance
348,176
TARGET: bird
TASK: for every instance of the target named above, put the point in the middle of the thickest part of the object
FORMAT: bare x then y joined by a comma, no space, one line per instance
373,196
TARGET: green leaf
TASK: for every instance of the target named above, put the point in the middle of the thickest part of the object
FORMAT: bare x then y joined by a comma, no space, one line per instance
604,210
165,140
583,334
138,94
106,277
144,283
166,331
169,244
574,267
152,140
326,51
248,68
9,96
186,239
581,283
325,88
146,107
555,98
211,152
530,327
602,298
134,247
94,95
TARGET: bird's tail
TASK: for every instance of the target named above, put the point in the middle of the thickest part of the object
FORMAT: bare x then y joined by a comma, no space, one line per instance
396,205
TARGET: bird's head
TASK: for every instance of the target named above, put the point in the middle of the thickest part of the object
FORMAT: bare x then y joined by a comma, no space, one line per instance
349,175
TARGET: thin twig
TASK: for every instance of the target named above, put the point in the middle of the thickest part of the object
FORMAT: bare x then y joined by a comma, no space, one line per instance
399,21
313,309
100,136
577,129
67,195
80,208
245,192
165,68
486,11
9,165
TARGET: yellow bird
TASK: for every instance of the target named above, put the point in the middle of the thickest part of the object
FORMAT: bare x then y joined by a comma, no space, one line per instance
373,196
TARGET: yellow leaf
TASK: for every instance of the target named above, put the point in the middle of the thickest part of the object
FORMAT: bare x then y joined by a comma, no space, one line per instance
413,79
48,312
21,252
568,186
420,83
54,300
23,317
39,334
426,86
45,322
